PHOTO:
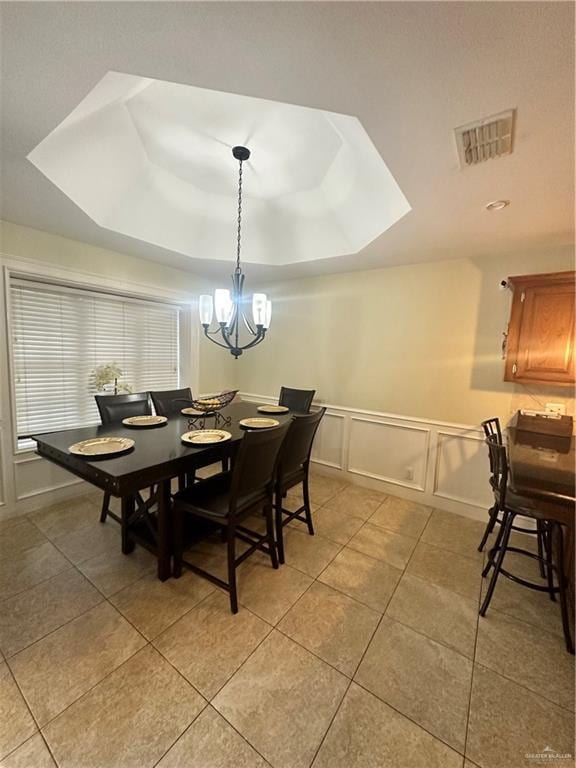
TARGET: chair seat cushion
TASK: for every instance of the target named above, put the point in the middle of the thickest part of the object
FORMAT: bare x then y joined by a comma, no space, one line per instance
211,497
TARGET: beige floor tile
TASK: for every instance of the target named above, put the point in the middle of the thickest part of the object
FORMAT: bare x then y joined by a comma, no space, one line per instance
508,723
255,523
337,526
32,754
383,545
424,680
152,605
282,701
209,471
209,643
8,522
29,566
331,625
91,540
19,537
401,516
525,604
455,533
16,723
267,592
530,656
322,488
58,669
294,502
310,554
66,516
211,555
211,742
453,572
356,501
442,615
112,572
366,733
130,719
370,581
30,615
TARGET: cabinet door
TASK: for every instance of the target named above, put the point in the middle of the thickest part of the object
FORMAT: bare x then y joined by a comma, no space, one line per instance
542,333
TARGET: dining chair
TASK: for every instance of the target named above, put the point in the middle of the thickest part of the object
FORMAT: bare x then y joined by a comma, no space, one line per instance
227,499
296,399
169,402
511,506
112,409
293,470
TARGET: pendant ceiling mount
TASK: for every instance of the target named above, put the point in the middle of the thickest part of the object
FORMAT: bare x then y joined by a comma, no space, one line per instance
229,307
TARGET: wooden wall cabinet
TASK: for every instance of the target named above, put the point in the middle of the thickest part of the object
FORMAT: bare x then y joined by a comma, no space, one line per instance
540,346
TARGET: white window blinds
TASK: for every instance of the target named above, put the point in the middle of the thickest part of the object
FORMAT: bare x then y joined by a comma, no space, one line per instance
61,335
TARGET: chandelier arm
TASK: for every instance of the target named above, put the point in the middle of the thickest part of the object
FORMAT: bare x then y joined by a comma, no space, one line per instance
260,337
213,333
248,325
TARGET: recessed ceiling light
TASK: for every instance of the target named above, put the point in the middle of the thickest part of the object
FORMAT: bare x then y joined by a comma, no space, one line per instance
497,205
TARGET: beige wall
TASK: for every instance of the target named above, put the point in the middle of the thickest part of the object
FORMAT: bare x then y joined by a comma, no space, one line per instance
421,340
216,369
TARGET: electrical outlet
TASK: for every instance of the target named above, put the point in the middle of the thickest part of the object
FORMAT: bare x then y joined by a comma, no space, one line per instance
558,408
409,473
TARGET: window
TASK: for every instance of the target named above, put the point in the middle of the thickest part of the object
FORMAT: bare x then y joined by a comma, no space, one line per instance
61,335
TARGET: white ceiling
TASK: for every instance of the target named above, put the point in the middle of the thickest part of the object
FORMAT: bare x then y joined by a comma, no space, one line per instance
411,72
154,160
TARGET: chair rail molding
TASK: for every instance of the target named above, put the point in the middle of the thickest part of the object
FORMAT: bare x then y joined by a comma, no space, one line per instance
439,464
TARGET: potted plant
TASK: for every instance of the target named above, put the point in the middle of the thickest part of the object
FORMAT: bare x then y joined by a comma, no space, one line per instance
105,378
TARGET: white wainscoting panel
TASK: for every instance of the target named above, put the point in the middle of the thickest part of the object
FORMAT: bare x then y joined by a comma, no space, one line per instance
329,442
382,450
35,476
461,469
435,463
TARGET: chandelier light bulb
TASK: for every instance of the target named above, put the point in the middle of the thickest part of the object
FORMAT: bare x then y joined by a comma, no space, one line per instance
222,305
259,308
268,315
206,309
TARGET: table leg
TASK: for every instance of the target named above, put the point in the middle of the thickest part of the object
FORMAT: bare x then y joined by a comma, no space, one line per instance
128,506
164,531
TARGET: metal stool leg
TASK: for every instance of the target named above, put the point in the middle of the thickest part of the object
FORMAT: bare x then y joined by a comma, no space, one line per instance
562,586
541,538
493,514
494,550
506,526
549,569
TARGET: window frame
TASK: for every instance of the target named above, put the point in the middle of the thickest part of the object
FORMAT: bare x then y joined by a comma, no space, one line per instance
189,358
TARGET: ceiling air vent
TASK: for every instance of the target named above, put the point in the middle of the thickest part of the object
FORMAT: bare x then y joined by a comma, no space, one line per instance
485,139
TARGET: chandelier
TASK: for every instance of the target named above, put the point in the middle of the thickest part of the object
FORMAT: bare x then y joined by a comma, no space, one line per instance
229,307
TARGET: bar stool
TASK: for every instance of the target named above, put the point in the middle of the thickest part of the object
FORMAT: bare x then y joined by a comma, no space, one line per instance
512,506
493,430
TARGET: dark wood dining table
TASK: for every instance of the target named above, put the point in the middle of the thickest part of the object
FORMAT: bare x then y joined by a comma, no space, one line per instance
542,467
158,456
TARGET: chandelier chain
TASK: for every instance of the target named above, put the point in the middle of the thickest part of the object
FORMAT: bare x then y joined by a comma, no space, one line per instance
238,269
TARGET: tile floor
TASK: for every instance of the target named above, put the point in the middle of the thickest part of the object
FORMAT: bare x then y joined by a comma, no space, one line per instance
364,651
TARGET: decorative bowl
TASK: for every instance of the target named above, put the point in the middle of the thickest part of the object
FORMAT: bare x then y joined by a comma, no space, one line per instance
213,403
